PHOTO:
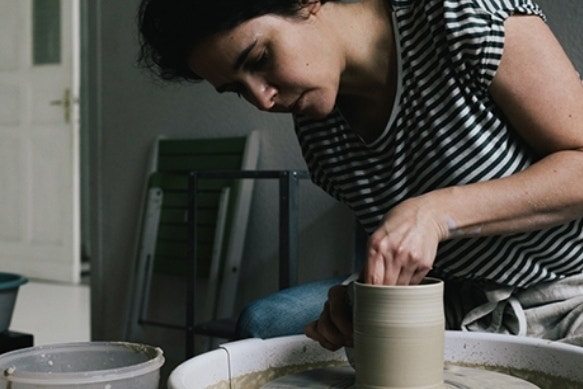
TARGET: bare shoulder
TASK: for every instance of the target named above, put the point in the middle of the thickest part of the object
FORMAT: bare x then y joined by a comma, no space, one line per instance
538,87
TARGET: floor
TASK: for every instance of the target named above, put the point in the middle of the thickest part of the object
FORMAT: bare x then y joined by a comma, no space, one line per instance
52,312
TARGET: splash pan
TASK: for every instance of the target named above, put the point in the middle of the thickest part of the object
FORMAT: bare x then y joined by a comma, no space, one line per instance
252,363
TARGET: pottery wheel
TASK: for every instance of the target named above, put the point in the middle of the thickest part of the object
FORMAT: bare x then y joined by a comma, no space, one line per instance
455,377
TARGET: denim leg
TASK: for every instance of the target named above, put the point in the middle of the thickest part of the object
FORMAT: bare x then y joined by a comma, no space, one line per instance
286,312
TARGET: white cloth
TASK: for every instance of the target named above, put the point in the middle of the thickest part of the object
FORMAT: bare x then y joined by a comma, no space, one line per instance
552,310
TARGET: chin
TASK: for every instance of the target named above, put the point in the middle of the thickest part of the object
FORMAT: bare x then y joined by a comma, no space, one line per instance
318,113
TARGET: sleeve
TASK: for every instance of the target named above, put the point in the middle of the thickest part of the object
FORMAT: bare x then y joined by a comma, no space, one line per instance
475,34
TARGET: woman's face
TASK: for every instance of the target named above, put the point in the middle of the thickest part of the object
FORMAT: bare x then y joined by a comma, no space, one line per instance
278,64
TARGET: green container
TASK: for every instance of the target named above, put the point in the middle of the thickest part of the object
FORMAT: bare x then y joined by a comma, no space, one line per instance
9,284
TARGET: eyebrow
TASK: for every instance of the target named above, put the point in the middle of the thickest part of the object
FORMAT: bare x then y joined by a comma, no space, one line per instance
238,63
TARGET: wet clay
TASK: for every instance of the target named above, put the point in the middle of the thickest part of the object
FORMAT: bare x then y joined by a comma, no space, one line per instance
257,380
455,377
399,335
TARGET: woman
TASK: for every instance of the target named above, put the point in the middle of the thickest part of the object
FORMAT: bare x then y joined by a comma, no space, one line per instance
453,129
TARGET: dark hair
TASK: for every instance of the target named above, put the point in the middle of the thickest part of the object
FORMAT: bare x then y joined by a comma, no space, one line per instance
169,29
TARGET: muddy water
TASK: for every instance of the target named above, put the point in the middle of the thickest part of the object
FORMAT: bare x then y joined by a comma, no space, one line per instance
455,376
258,380
542,380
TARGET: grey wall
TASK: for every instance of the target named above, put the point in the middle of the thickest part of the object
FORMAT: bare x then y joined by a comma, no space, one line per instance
127,111
565,19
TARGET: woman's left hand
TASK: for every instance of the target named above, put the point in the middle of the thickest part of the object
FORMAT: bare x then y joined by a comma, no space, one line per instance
403,248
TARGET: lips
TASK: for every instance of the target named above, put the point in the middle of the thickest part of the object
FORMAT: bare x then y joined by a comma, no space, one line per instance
287,108
296,108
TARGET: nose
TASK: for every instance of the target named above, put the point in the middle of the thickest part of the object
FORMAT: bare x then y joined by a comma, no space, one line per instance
262,94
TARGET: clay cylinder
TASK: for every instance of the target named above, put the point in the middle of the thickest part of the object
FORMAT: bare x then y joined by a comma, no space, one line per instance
399,335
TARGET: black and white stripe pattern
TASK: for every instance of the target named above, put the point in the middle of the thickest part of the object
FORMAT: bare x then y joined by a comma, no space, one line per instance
444,131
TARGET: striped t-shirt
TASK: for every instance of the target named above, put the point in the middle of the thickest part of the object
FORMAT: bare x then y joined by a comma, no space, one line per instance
444,130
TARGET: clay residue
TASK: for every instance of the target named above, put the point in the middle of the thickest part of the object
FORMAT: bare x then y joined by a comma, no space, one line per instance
542,380
257,380
220,385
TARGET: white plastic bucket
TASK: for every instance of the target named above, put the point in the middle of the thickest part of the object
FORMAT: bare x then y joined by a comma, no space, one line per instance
87,365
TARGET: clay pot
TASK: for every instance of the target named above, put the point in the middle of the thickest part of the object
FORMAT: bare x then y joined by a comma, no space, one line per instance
399,335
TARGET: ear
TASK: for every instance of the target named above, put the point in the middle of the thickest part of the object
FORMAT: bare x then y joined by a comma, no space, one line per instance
310,7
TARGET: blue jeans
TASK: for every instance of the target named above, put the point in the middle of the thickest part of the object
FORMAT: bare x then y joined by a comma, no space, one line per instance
286,312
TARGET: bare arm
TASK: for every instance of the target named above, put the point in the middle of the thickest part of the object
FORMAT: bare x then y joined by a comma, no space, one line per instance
541,93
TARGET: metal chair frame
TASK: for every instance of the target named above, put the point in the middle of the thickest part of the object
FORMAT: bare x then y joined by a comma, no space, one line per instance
288,233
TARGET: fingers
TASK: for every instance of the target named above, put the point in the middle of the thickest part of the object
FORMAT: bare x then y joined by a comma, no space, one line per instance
333,329
378,270
405,276
313,331
412,269
340,312
392,261
324,331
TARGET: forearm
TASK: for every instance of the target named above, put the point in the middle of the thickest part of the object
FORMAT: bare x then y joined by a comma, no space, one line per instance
548,193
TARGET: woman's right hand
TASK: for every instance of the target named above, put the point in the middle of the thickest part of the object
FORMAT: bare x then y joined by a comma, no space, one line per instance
333,329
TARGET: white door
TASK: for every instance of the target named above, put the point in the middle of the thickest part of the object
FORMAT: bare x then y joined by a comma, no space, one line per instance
39,141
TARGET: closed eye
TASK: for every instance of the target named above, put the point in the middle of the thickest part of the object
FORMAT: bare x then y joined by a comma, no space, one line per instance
257,65
260,63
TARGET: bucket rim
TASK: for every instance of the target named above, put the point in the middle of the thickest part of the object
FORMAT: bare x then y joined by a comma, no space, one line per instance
9,372
11,280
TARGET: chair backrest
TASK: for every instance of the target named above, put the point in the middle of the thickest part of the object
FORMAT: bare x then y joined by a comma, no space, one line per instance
222,212
175,159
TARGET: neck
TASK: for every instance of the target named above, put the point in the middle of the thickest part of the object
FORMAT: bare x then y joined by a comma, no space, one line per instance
370,50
